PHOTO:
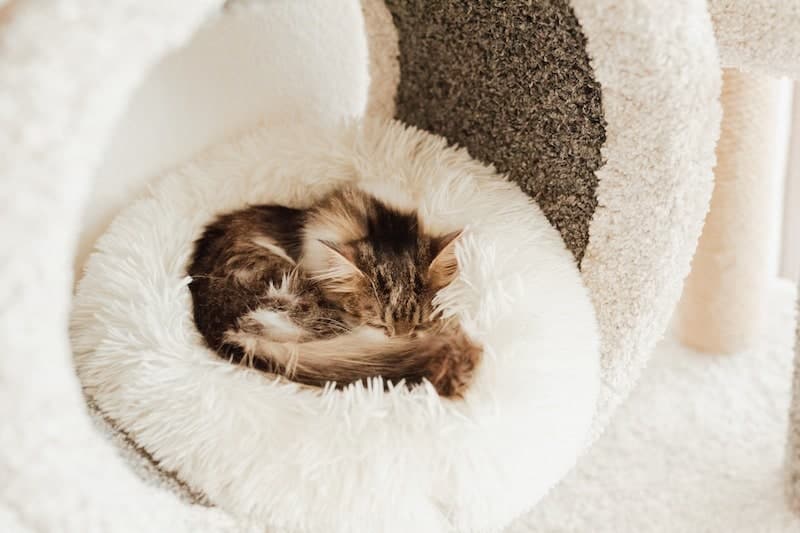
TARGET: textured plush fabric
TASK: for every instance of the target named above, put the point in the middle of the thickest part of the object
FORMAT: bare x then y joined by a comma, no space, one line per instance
144,465
291,457
654,188
511,82
761,36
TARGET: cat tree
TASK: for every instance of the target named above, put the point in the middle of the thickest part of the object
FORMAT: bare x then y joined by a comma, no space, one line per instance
591,136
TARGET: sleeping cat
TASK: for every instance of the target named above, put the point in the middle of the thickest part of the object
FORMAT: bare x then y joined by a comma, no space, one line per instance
339,292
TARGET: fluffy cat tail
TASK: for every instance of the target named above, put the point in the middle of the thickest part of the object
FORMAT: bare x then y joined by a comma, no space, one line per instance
447,359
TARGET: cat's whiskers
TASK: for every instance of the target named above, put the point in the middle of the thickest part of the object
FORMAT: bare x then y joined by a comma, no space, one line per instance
328,320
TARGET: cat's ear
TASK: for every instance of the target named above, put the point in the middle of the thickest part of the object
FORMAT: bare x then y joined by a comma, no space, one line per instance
338,270
444,266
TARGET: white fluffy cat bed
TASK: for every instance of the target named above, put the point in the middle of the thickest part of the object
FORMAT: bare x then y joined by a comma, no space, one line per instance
98,97
293,457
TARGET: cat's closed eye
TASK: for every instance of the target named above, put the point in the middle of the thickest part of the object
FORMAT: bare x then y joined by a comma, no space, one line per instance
381,326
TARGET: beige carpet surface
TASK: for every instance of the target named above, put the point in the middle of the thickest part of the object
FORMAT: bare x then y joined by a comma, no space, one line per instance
697,448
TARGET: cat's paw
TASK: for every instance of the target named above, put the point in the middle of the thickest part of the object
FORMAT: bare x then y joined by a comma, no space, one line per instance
273,325
451,364
248,342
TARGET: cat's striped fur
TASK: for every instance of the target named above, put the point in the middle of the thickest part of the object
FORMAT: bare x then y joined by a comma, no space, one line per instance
341,292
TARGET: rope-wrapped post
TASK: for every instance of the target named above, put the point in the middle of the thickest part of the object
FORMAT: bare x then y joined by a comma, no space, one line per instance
722,309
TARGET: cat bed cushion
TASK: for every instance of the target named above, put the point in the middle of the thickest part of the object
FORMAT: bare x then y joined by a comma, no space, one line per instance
281,455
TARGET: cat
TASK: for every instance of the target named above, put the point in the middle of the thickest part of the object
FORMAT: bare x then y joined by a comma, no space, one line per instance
338,292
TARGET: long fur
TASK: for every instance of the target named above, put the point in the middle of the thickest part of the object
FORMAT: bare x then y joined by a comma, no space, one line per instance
271,285
446,358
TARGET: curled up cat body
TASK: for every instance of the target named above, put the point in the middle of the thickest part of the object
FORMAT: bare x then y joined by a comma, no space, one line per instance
339,292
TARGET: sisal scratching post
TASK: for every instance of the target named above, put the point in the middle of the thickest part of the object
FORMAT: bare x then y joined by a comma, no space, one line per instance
722,308
793,445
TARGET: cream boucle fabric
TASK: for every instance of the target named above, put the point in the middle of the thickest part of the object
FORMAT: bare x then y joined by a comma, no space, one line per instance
66,68
760,36
656,183
724,299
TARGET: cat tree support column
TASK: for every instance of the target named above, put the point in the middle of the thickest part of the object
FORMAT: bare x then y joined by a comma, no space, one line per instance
724,297
791,268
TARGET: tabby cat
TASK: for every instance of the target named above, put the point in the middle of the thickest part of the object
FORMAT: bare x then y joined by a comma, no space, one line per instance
339,292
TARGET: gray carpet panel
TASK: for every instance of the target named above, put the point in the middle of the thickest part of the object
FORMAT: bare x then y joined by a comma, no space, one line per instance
510,81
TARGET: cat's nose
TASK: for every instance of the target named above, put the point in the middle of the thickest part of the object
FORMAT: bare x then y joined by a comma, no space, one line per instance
402,328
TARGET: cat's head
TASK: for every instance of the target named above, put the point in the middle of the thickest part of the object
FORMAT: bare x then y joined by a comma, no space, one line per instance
391,288
376,261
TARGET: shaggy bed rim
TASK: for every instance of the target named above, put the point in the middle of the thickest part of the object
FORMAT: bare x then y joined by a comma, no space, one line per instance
470,465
